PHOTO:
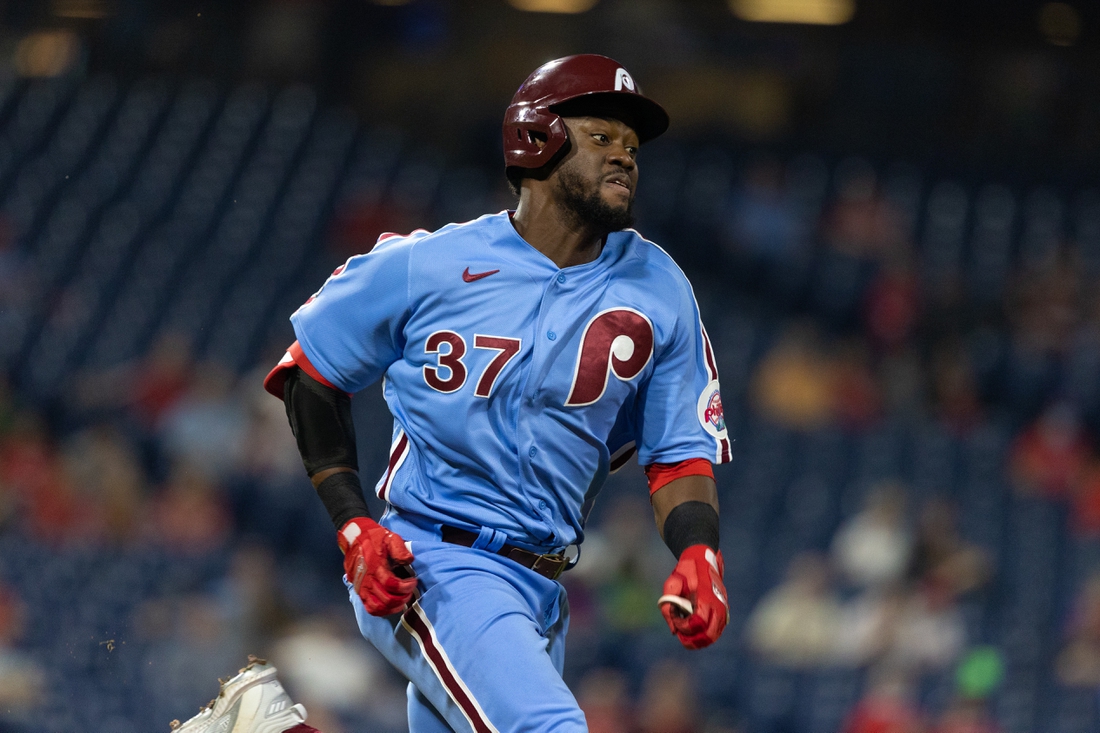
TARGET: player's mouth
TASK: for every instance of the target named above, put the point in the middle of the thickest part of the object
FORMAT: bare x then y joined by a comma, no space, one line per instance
619,182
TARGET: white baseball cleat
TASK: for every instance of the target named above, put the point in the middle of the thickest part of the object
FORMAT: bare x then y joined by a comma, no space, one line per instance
251,702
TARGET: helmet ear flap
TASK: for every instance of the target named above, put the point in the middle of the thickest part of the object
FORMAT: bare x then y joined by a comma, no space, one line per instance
532,137
524,132
515,174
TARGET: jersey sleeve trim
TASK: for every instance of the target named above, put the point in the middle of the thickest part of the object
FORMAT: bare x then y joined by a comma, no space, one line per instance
662,474
723,450
294,357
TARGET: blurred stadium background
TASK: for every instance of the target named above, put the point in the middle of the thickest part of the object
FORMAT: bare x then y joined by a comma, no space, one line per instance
891,213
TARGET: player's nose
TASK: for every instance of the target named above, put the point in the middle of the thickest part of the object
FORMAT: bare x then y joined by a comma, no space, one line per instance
619,155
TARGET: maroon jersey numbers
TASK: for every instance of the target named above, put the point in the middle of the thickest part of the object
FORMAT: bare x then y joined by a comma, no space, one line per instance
450,347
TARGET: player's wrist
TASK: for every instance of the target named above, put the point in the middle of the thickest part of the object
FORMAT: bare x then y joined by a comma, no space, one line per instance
342,495
691,523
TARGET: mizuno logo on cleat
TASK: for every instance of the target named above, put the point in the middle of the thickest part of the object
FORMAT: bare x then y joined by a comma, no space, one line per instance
469,277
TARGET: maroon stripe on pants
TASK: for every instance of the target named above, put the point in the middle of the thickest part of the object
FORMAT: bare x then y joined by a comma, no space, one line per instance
435,656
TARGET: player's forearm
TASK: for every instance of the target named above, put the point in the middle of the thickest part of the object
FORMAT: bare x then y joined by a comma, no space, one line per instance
686,512
321,420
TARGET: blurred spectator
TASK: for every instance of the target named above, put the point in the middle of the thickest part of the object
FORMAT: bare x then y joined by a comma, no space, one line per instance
625,563
763,222
887,706
27,461
206,426
333,673
857,398
868,623
254,603
28,467
872,549
105,467
147,387
930,632
667,703
862,223
1085,507
794,385
966,715
188,515
1050,455
22,679
796,624
892,306
603,696
917,630
37,489
1043,312
1078,663
941,557
954,388
1045,308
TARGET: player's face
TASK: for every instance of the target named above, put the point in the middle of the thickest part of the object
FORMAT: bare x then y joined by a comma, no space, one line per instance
599,176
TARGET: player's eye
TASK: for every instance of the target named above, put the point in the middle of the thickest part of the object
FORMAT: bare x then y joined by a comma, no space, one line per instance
601,138
631,150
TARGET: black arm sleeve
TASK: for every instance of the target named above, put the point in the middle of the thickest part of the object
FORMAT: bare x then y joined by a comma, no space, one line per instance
320,418
691,523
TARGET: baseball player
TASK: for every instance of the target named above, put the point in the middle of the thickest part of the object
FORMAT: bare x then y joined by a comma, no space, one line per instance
525,356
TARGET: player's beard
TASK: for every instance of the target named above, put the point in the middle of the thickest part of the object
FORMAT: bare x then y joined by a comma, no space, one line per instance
583,201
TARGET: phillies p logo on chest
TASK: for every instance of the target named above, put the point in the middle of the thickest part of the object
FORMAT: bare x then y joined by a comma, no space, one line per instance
618,341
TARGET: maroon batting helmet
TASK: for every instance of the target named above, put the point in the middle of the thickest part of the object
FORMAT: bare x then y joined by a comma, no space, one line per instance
586,84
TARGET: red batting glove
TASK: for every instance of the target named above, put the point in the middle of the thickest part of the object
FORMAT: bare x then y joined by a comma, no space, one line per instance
697,580
371,552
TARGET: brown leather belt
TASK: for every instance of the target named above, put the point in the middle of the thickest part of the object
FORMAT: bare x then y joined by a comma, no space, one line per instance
549,566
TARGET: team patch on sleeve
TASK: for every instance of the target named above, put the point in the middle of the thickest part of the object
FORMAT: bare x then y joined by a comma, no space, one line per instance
711,416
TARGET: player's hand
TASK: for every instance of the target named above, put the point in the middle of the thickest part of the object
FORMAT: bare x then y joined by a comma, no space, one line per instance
694,602
371,554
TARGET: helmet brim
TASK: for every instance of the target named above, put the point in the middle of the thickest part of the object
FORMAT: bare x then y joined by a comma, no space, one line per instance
647,118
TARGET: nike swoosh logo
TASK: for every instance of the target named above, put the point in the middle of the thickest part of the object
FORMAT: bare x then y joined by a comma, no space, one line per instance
468,277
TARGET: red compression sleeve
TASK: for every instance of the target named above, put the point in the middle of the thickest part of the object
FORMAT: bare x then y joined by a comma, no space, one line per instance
294,357
661,474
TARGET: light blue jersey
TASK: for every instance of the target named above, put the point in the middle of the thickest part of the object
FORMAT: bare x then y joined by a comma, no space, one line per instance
516,386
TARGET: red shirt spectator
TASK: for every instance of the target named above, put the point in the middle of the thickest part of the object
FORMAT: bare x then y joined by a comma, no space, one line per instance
892,307
189,515
1049,457
883,716
886,708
